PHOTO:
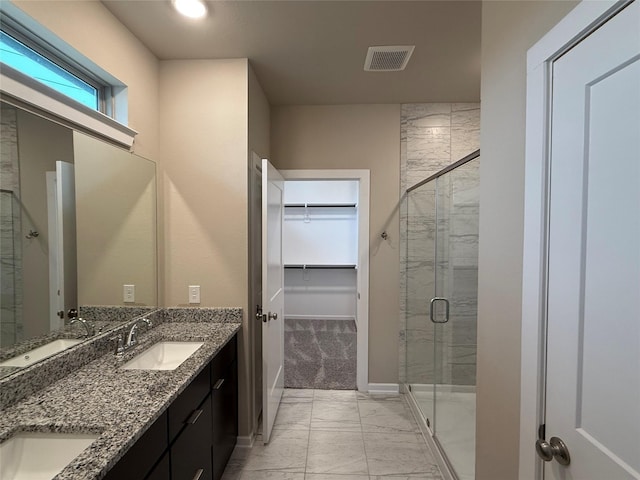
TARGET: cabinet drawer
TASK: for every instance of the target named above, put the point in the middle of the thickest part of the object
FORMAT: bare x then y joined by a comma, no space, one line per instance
223,360
142,456
187,402
191,452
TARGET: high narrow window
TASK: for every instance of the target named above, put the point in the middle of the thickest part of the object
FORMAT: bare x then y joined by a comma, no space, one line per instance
21,57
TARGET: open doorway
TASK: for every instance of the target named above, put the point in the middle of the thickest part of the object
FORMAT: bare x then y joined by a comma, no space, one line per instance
357,268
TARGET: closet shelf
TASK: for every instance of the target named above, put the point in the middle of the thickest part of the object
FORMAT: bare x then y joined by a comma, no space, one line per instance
321,266
320,205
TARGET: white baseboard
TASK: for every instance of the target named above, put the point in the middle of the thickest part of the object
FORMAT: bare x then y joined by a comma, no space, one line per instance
389,388
245,441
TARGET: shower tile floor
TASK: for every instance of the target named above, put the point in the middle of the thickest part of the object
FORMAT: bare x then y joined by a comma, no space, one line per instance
338,435
455,427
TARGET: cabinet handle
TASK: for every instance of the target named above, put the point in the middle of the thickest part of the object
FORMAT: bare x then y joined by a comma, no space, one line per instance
218,384
194,417
198,474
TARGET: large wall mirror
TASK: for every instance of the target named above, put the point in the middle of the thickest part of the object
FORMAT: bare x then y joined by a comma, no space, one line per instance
78,234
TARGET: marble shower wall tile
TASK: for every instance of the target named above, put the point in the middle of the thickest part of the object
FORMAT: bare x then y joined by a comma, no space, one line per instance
434,136
465,129
11,327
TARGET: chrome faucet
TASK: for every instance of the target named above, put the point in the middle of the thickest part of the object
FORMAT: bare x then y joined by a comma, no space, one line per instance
132,338
89,327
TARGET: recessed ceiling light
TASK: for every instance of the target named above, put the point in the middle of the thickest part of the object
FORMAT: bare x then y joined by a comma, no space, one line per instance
190,8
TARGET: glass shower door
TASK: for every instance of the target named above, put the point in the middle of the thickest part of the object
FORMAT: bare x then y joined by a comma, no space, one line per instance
419,276
441,283
454,314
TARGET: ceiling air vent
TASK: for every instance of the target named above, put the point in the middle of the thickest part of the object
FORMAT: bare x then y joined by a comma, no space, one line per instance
388,59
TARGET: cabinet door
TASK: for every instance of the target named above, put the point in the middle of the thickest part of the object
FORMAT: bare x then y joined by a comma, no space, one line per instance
191,452
162,470
224,401
142,456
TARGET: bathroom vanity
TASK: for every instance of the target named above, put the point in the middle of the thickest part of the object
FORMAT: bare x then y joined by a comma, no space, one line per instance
194,437
156,424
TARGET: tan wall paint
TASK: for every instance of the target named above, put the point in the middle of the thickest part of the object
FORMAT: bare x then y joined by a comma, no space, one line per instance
40,144
508,30
94,32
259,142
259,118
353,137
204,142
204,150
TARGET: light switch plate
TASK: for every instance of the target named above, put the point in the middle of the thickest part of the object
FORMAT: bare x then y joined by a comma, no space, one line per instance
129,293
194,293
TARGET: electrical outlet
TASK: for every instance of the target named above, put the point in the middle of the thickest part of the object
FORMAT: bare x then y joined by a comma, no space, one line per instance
129,293
194,293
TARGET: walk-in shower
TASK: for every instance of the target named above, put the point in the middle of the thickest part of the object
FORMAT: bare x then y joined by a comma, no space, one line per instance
441,284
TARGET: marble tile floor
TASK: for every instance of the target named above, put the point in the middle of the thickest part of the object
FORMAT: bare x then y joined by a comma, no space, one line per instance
338,435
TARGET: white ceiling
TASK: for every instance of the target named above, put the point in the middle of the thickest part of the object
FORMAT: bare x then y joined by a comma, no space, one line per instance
312,51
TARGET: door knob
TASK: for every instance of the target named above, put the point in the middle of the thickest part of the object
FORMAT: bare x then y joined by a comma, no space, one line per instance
554,448
273,316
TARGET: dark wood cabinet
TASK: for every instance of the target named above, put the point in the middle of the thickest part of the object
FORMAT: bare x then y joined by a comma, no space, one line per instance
195,436
143,455
224,401
162,470
182,408
191,452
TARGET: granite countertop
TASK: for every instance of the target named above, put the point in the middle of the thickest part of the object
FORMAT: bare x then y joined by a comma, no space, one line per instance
118,404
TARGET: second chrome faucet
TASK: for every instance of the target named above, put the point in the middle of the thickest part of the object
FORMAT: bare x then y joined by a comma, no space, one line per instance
131,339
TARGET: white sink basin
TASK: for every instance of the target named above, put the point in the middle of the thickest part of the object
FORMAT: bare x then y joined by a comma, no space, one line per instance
163,356
35,456
37,354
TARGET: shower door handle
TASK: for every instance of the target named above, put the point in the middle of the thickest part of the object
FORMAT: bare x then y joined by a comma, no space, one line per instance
432,308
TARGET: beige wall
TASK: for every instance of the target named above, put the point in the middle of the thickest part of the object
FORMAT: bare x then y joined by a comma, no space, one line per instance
204,143
259,142
204,149
508,30
91,30
259,118
354,137
40,144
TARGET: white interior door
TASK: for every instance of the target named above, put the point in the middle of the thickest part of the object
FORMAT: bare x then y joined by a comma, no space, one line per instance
255,209
593,349
272,296
61,200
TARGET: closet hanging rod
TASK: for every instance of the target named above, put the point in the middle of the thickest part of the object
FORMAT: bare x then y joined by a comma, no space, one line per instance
321,267
320,205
